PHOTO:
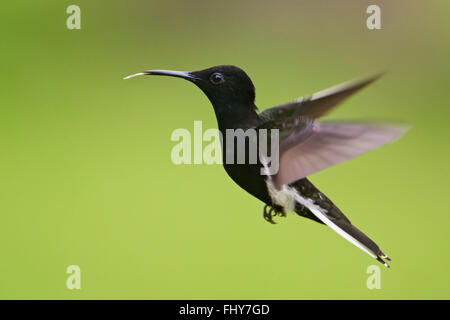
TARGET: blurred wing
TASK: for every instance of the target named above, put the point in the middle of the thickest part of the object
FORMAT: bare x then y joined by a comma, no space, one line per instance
328,144
318,104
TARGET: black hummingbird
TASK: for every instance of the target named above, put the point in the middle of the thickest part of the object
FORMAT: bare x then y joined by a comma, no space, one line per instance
305,145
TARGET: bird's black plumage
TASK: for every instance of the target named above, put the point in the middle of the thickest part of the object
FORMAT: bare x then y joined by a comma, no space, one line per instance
305,146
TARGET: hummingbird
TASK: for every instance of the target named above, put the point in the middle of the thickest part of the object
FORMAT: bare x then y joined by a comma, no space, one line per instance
306,145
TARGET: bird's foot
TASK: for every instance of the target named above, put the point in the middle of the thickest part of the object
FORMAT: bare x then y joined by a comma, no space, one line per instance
269,212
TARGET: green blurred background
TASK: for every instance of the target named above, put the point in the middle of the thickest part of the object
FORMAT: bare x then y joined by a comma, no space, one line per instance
85,169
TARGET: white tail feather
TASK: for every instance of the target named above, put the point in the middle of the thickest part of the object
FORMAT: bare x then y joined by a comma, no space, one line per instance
317,211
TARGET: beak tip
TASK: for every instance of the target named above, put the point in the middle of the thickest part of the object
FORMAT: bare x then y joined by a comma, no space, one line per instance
134,75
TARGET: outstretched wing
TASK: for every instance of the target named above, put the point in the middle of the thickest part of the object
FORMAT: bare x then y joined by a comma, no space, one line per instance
307,146
318,104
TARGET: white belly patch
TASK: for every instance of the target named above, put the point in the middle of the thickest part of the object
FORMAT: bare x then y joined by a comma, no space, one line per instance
284,198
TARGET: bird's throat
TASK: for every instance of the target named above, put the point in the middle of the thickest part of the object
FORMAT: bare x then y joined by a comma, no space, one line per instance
236,116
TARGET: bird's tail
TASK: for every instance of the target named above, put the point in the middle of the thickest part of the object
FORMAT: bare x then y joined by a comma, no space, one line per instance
313,204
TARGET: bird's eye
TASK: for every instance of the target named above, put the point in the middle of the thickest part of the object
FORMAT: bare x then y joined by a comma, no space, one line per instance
217,78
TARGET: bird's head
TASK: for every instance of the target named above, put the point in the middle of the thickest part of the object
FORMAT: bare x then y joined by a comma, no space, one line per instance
225,85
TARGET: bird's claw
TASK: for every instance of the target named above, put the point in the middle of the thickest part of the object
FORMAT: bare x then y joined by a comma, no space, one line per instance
268,213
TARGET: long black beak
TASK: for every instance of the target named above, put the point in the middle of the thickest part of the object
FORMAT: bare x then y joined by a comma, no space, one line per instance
170,73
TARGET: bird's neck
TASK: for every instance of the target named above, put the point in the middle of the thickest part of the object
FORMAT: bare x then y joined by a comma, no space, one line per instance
236,116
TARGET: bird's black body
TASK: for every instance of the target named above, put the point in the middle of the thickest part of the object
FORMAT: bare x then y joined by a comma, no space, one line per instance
234,107
306,146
